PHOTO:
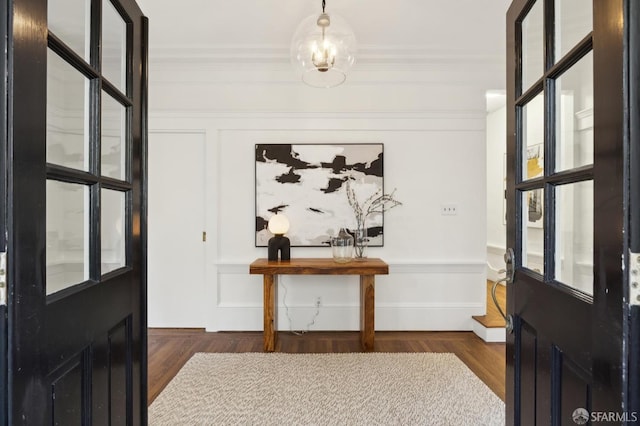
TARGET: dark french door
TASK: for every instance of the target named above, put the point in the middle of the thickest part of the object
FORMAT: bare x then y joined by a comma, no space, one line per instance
73,168
572,222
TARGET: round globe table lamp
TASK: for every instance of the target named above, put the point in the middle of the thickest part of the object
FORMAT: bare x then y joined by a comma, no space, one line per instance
278,226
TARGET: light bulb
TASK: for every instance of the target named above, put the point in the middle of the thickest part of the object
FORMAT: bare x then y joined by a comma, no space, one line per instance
278,224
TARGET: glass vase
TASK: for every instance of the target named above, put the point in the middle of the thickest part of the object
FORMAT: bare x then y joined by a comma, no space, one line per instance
360,243
342,246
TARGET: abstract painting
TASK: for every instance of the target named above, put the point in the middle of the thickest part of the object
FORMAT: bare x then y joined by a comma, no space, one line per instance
306,182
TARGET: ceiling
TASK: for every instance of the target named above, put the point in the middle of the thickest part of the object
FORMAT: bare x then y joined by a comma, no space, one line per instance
472,26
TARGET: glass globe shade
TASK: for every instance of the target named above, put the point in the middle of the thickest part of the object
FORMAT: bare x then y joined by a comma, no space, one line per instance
278,224
339,42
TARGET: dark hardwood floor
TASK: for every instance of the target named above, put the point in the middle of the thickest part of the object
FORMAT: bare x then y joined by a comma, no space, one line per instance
169,349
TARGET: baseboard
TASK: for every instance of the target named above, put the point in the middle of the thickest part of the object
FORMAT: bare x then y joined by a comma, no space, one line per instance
490,335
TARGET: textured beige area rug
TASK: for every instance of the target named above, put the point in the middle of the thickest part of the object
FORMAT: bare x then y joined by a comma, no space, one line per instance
326,389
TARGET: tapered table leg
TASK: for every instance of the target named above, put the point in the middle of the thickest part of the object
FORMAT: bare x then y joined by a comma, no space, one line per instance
270,312
367,311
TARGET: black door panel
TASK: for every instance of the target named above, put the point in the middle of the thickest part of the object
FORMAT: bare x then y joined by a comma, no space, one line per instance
567,351
77,352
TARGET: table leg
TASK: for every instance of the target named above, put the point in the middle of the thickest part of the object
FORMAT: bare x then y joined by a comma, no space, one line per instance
270,312
367,310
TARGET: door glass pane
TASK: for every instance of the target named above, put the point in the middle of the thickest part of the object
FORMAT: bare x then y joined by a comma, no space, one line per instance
112,230
574,115
67,114
114,38
70,21
114,124
574,20
532,46
67,251
533,138
574,236
532,230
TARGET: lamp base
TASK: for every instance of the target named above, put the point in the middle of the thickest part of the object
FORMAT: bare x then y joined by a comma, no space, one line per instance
281,244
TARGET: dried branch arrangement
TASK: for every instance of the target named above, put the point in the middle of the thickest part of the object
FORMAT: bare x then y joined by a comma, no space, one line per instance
376,203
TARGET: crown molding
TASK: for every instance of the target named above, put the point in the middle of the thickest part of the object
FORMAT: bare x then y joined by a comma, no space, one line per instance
272,54
453,117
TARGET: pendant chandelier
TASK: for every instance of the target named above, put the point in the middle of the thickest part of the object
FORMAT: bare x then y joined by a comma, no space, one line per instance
323,49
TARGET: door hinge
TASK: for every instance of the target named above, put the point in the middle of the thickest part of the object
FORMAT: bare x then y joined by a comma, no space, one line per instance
204,235
634,279
3,279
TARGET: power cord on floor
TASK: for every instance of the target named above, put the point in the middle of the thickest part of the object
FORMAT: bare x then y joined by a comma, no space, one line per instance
286,308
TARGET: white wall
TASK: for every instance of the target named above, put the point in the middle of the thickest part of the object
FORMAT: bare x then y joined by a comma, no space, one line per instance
496,206
430,117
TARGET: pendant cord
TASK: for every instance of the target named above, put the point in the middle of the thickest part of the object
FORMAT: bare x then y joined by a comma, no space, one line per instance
323,5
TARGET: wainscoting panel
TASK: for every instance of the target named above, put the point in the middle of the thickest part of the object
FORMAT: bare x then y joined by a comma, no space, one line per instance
415,296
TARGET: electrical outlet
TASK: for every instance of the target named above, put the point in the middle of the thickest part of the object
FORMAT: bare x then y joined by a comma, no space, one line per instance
318,302
449,209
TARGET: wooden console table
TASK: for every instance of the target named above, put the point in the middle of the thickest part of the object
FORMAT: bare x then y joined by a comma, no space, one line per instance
367,269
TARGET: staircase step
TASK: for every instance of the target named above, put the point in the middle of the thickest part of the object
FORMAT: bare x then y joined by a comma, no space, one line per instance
490,321
490,334
491,327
